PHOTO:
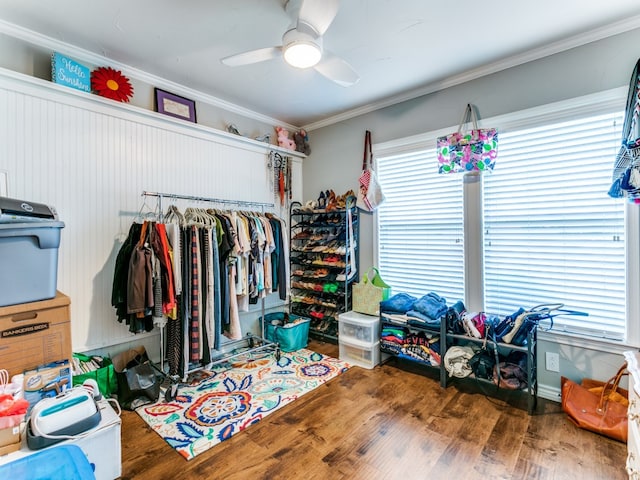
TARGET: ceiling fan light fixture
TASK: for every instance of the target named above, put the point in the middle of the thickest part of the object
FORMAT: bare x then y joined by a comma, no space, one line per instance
302,54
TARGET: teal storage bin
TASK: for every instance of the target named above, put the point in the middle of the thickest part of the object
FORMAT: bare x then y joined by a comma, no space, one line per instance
290,332
65,462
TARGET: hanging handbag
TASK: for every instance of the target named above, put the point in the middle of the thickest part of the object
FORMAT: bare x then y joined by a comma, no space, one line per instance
473,151
598,413
370,194
369,292
626,167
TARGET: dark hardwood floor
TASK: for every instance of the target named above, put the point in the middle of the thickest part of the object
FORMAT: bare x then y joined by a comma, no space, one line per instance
391,422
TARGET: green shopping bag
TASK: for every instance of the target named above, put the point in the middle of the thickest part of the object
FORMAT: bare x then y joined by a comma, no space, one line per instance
104,375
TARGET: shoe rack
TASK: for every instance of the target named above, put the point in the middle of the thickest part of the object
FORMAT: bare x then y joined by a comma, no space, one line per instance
324,265
411,343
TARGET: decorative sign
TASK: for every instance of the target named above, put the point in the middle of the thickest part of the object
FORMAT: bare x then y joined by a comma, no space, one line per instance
69,73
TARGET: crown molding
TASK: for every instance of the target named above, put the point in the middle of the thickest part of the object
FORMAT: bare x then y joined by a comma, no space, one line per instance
600,33
578,40
82,55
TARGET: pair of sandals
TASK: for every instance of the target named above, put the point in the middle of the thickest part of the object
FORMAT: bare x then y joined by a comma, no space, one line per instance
325,198
330,287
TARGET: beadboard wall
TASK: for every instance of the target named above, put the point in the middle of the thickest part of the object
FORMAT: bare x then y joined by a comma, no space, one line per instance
91,159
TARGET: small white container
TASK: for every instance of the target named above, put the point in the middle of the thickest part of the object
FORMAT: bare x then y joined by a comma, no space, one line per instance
358,327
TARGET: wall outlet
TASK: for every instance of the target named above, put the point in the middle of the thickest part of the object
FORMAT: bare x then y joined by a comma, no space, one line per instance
553,362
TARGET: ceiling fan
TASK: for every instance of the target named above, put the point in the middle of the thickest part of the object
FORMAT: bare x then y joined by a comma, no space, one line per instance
302,43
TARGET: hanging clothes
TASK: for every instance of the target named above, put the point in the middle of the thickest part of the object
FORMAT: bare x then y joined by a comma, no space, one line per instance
174,344
140,277
194,322
121,273
194,273
160,245
626,167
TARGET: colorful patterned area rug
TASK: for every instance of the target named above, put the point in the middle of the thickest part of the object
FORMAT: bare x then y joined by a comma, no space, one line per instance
234,397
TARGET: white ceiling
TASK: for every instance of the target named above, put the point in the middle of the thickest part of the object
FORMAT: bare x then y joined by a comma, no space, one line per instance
399,48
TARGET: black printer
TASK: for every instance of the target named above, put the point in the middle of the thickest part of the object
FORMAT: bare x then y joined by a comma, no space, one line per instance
21,211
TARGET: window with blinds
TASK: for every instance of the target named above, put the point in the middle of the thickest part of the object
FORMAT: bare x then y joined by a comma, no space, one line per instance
420,226
548,232
551,232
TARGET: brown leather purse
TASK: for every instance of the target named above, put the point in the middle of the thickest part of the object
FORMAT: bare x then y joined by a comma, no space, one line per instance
597,412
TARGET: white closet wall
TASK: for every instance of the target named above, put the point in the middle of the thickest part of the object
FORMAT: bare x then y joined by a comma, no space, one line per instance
91,159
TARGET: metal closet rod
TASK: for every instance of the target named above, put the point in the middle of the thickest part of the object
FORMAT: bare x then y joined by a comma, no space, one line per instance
242,203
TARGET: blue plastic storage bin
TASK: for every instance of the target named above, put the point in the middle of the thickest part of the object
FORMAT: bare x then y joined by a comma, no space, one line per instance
29,259
65,462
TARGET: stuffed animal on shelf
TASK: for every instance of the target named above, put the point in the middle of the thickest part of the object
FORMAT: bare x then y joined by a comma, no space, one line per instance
283,139
302,142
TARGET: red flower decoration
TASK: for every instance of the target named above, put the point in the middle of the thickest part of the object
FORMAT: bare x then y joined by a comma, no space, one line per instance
110,83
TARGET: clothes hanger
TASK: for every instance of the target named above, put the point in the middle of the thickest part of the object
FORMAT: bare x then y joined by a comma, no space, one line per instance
145,212
210,219
192,217
174,213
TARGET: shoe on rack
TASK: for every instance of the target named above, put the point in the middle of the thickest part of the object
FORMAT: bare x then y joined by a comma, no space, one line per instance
322,201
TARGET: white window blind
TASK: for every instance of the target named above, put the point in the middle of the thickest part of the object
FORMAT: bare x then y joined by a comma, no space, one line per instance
420,226
551,232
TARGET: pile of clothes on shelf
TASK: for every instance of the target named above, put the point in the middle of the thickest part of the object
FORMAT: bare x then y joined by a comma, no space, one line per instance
419,346
424,312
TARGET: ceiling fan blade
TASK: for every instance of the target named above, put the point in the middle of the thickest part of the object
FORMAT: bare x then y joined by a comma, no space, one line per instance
253,56
337,70
318,13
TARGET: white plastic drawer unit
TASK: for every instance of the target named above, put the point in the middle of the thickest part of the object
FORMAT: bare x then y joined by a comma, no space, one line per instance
359,354
360,327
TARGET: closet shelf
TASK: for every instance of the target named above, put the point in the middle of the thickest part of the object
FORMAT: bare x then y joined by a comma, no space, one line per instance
48,90
479,341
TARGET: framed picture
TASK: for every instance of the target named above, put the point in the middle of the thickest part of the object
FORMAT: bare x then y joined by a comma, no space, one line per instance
175,105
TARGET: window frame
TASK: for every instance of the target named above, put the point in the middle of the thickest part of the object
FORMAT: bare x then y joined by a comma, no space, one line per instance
592,104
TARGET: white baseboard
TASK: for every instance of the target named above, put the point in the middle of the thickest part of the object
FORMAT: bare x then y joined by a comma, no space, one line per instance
549,393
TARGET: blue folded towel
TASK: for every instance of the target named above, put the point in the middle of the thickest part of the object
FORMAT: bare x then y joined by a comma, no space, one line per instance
432,305
399,303
419,318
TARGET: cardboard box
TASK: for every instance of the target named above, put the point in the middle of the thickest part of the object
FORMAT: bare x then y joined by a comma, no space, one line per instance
35,333
46,381
10,439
